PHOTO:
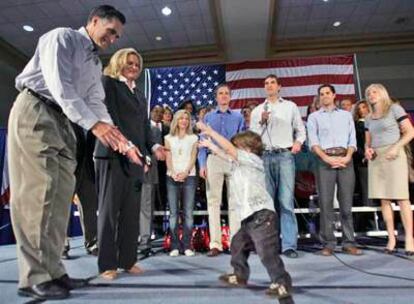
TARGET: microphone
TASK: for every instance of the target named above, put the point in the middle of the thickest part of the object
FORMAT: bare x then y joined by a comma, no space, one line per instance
267,110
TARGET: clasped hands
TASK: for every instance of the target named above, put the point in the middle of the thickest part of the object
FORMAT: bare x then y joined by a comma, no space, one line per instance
337,162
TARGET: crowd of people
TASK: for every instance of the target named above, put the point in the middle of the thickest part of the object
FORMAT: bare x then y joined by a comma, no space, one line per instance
139,160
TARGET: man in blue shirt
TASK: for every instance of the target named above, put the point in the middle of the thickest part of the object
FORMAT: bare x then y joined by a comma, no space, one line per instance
215,170
331,133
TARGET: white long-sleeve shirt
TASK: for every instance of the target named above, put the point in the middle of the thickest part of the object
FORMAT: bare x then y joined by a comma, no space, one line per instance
284,126
66,69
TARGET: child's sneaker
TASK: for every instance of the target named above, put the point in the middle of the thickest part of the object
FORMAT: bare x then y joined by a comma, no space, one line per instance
233,280
279,291
189,253
174,253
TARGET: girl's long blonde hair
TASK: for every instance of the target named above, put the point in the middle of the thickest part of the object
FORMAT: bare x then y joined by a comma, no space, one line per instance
174,123
119,60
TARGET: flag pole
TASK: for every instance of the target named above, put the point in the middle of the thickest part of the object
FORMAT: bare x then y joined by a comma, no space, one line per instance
148,90
358,83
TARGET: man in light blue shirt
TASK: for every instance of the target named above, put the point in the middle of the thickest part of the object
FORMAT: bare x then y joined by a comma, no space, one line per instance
61,83
215,170
331,134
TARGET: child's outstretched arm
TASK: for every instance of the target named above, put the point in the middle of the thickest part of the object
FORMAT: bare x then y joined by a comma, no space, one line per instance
226,145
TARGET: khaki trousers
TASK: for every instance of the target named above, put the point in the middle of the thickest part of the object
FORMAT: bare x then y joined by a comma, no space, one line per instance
219,170
41,151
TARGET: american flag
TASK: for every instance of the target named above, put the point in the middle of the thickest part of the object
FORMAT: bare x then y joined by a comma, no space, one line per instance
299,77
173,86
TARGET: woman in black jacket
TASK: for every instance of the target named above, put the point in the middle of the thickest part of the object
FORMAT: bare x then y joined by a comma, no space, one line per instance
360,163
119,181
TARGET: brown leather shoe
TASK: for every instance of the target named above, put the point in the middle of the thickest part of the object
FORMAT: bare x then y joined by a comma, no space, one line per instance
326,251
213,252
352,250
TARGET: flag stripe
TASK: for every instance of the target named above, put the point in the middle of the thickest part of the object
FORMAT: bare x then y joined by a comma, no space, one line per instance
331,60
301,101
292,81
289,92
290,72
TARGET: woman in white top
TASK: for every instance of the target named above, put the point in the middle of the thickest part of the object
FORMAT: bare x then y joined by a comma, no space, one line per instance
181,176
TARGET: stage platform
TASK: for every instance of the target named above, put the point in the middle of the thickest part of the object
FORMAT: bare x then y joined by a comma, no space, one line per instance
183,279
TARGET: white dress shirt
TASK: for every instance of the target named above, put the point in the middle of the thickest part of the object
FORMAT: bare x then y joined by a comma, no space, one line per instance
284,126
66,69
124,80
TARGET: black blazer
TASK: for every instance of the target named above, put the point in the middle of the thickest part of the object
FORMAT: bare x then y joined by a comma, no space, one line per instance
129,113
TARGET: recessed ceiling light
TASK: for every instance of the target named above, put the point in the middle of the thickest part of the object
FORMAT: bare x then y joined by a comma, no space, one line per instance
28,28
337,23
325,0
158,38
166,11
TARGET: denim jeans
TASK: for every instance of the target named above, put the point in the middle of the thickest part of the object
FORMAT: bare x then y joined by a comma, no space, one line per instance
280,183
186,191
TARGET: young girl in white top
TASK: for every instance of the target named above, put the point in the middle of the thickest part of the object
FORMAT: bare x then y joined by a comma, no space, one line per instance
181,176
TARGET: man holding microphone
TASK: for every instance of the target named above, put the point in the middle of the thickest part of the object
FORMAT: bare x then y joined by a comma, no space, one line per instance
279,123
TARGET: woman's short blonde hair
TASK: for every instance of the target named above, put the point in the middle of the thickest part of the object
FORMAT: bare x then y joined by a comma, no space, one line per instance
174,123
385,99
119,60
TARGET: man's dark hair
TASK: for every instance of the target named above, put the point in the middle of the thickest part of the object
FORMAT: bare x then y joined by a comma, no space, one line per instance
271,76
222,85
326,85
106,12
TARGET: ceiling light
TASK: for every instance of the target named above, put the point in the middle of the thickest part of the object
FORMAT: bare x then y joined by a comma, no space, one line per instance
166,11
336,23
28,28
325,0
158,38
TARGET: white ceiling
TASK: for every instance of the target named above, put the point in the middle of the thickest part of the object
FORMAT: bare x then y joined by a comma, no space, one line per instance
233,29
314,18
190,24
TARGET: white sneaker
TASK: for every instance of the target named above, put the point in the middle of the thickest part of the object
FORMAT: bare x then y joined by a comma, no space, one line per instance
189,253
174,253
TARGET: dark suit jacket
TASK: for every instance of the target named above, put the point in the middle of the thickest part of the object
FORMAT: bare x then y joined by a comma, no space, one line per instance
157,169
129,113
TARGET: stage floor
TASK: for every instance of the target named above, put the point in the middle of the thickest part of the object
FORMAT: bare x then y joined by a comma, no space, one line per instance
183,279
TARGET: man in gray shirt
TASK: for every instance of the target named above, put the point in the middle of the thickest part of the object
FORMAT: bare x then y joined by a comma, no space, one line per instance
61,83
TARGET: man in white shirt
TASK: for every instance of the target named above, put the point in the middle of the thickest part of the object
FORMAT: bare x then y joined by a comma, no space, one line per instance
279,123
61,83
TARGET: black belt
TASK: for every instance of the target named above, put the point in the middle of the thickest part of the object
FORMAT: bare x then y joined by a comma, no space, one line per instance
277,150
46,101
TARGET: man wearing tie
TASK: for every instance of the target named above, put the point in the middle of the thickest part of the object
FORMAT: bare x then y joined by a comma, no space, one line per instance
154,183
279,123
